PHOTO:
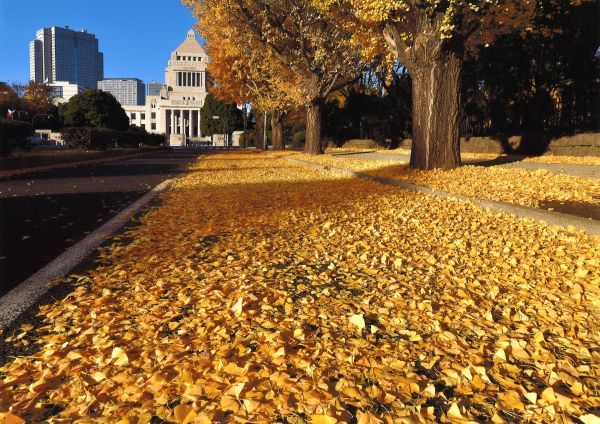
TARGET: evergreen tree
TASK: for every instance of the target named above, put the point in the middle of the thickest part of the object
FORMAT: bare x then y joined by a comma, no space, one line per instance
94,108
229,117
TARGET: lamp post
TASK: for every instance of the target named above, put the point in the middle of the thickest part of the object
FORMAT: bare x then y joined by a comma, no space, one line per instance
265,141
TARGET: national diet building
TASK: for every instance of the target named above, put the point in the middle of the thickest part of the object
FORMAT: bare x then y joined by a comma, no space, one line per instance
175,109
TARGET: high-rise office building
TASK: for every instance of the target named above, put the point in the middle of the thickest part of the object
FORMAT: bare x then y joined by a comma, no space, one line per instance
153,88
61,54
127,91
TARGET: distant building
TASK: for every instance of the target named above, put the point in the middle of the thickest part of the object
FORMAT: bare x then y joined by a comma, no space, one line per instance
61,54
62,91
153,88
175,109
127,91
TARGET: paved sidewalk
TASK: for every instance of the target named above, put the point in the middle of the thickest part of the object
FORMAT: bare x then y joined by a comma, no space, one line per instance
585,171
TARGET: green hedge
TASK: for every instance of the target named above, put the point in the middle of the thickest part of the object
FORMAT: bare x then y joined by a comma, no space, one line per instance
299,138
102,138
13,134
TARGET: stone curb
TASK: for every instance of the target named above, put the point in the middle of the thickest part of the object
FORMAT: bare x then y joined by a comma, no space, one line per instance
21,171
26,294
590,226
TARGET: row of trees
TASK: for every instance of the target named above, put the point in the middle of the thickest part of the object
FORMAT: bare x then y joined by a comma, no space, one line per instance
33,103
284,54
30,102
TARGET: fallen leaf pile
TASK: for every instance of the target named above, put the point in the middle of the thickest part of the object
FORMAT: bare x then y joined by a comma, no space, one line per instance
262,291
552,159
565,160
519,186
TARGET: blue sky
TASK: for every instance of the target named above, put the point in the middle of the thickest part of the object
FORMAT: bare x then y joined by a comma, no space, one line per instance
136,36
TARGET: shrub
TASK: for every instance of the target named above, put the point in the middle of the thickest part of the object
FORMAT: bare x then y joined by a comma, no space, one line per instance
242,140
361,144
102,138
299,138
13,134
298,128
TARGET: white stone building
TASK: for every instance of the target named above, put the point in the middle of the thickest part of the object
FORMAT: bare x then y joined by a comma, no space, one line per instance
175,112
62,91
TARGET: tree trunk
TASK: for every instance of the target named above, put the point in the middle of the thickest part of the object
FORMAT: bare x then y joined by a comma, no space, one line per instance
435,66
277,130
313,128
259,131
436,114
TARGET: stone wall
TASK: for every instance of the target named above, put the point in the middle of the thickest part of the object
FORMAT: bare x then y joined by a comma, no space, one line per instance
586,144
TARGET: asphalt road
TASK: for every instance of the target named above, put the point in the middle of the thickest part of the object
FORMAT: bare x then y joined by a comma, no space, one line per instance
43,214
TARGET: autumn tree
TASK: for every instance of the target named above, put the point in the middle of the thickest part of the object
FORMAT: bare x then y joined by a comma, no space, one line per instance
322,55
245,73
38,99
431,38
9,99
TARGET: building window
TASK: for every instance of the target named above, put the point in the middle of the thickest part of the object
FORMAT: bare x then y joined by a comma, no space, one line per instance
132,115
153,126
153,115
142,116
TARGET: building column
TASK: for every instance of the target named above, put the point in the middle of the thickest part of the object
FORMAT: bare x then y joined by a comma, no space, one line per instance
190,123
172,121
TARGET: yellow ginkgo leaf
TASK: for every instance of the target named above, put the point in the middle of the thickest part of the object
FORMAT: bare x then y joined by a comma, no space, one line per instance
119,357
358,321
322,419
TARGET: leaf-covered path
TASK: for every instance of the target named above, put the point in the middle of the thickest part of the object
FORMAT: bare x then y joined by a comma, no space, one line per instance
264,291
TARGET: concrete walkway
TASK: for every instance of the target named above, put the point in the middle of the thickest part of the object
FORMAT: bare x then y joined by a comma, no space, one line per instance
585,171
590,226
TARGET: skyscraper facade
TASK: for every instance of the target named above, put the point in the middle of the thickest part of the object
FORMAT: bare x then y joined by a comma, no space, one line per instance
127,91
61,54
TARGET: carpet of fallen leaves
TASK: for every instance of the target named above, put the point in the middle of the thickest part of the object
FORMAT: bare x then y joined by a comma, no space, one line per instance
519,186
261,291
